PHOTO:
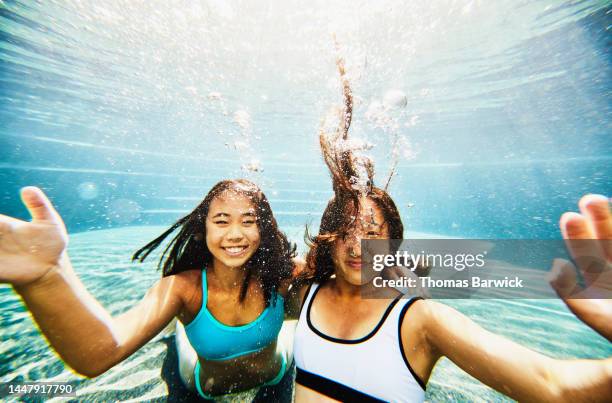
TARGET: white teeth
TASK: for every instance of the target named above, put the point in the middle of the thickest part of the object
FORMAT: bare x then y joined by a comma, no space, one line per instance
235,249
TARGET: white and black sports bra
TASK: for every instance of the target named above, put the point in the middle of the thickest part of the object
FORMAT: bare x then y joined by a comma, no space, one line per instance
370,369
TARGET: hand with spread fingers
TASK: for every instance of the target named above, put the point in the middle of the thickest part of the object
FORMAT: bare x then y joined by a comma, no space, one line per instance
29,250
588,238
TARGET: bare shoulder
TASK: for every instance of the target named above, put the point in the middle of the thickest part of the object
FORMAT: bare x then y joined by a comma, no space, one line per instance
433,321
423,317
188,277
416,312
185,284
429,311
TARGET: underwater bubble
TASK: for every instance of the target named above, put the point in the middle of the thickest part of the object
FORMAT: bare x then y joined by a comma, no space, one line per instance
242,118
375,109
356,144
253,166
87,190
240,145
413,121
214,96
405,148
123,211
378,115
357,100
395,99
361,180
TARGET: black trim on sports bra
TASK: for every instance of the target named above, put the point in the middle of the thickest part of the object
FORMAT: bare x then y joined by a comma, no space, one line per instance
344,341
399,340
331,388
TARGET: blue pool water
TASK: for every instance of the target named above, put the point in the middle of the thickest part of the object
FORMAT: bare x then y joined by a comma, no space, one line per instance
126,113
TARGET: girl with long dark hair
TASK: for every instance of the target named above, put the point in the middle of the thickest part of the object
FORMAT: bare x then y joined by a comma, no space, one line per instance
225,274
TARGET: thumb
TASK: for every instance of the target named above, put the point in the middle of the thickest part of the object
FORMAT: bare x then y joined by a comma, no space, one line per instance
562,277
38,205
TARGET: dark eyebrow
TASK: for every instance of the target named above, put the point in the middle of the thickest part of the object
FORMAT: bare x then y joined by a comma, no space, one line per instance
248,214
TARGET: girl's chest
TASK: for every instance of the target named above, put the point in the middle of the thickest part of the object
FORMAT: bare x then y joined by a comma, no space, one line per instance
345,321
230,311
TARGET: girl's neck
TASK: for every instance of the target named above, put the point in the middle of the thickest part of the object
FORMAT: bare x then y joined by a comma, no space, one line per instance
344,289
355,293
228,278
360,300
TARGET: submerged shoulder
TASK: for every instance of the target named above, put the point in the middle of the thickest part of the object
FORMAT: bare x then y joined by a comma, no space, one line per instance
417,314
188,275
426,309
431,319
415,308
185,284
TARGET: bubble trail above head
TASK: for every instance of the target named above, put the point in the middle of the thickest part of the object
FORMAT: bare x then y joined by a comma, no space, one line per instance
243,119
395,99
352,175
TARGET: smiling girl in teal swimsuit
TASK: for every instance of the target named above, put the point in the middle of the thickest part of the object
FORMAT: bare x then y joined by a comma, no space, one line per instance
224,276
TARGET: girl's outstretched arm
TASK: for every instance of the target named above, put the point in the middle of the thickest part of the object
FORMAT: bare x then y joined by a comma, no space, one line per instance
506,366
33,259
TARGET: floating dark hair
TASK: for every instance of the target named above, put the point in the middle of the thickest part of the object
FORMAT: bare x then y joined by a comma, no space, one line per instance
343,209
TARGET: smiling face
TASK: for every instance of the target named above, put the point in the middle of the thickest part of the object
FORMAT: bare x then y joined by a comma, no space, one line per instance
232,233
347,250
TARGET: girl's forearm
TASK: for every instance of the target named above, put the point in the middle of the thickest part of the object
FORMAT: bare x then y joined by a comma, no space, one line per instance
73,321
583,380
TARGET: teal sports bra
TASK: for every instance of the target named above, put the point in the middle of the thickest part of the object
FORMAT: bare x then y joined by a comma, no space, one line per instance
215,341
